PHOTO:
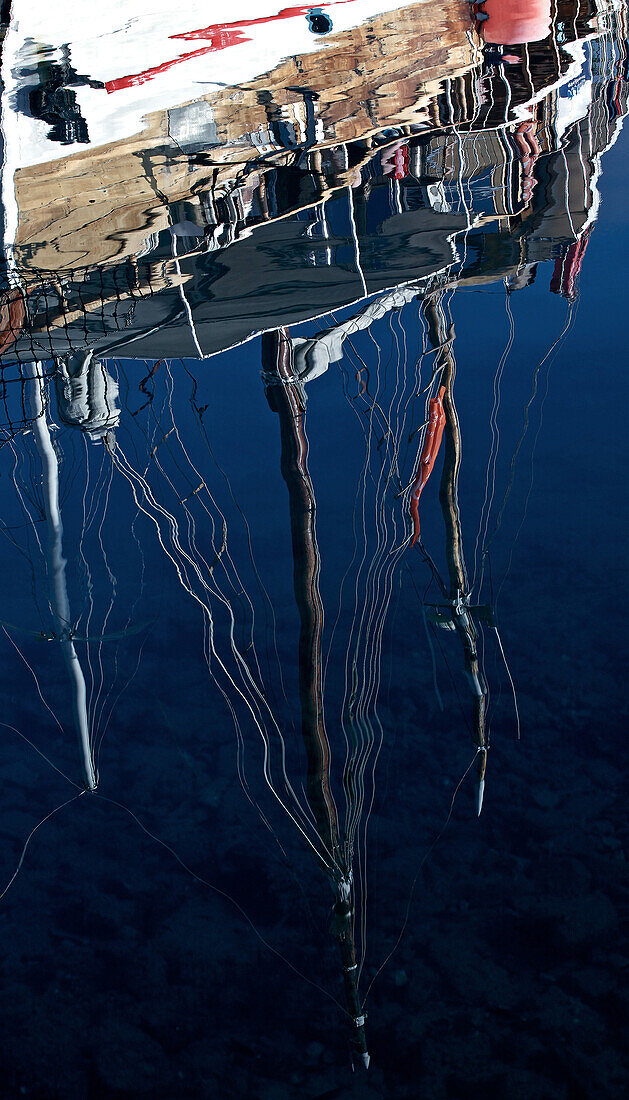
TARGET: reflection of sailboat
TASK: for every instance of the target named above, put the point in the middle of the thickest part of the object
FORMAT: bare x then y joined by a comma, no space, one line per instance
472,203
479,191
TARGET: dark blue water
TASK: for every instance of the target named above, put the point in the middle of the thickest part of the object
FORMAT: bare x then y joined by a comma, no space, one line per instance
168,935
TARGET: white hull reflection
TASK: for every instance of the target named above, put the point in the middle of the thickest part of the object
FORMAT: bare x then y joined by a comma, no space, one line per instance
148,56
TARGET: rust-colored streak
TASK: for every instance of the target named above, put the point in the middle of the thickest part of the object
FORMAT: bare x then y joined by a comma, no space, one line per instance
430,450
12,316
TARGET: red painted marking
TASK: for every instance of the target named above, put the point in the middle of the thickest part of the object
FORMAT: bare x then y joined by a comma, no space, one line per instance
401,163
285,13
430,450
388,157
222,42
567,268
221,37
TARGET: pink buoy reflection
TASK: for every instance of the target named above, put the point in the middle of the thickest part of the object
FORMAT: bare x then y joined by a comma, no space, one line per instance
515,22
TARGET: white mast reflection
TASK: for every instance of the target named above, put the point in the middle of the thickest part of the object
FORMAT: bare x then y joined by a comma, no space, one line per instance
60,604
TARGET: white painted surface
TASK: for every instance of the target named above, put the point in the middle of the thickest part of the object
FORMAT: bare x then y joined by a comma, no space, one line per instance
120,40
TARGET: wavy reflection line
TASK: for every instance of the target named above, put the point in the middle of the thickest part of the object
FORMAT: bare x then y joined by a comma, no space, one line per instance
181,560
490,473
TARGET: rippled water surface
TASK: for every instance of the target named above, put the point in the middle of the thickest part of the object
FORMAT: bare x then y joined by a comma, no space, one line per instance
313,509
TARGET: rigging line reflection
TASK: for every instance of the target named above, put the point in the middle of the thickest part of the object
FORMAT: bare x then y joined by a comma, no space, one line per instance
268,604
490,473
8,726
570,314
365,733
549,363
30,836
221,893
30,668
191,571
423,861
222,556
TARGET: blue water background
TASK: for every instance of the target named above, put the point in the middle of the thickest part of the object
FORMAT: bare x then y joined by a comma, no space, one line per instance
125,976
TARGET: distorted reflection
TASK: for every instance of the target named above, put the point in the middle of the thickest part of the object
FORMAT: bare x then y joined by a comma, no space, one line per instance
308,187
